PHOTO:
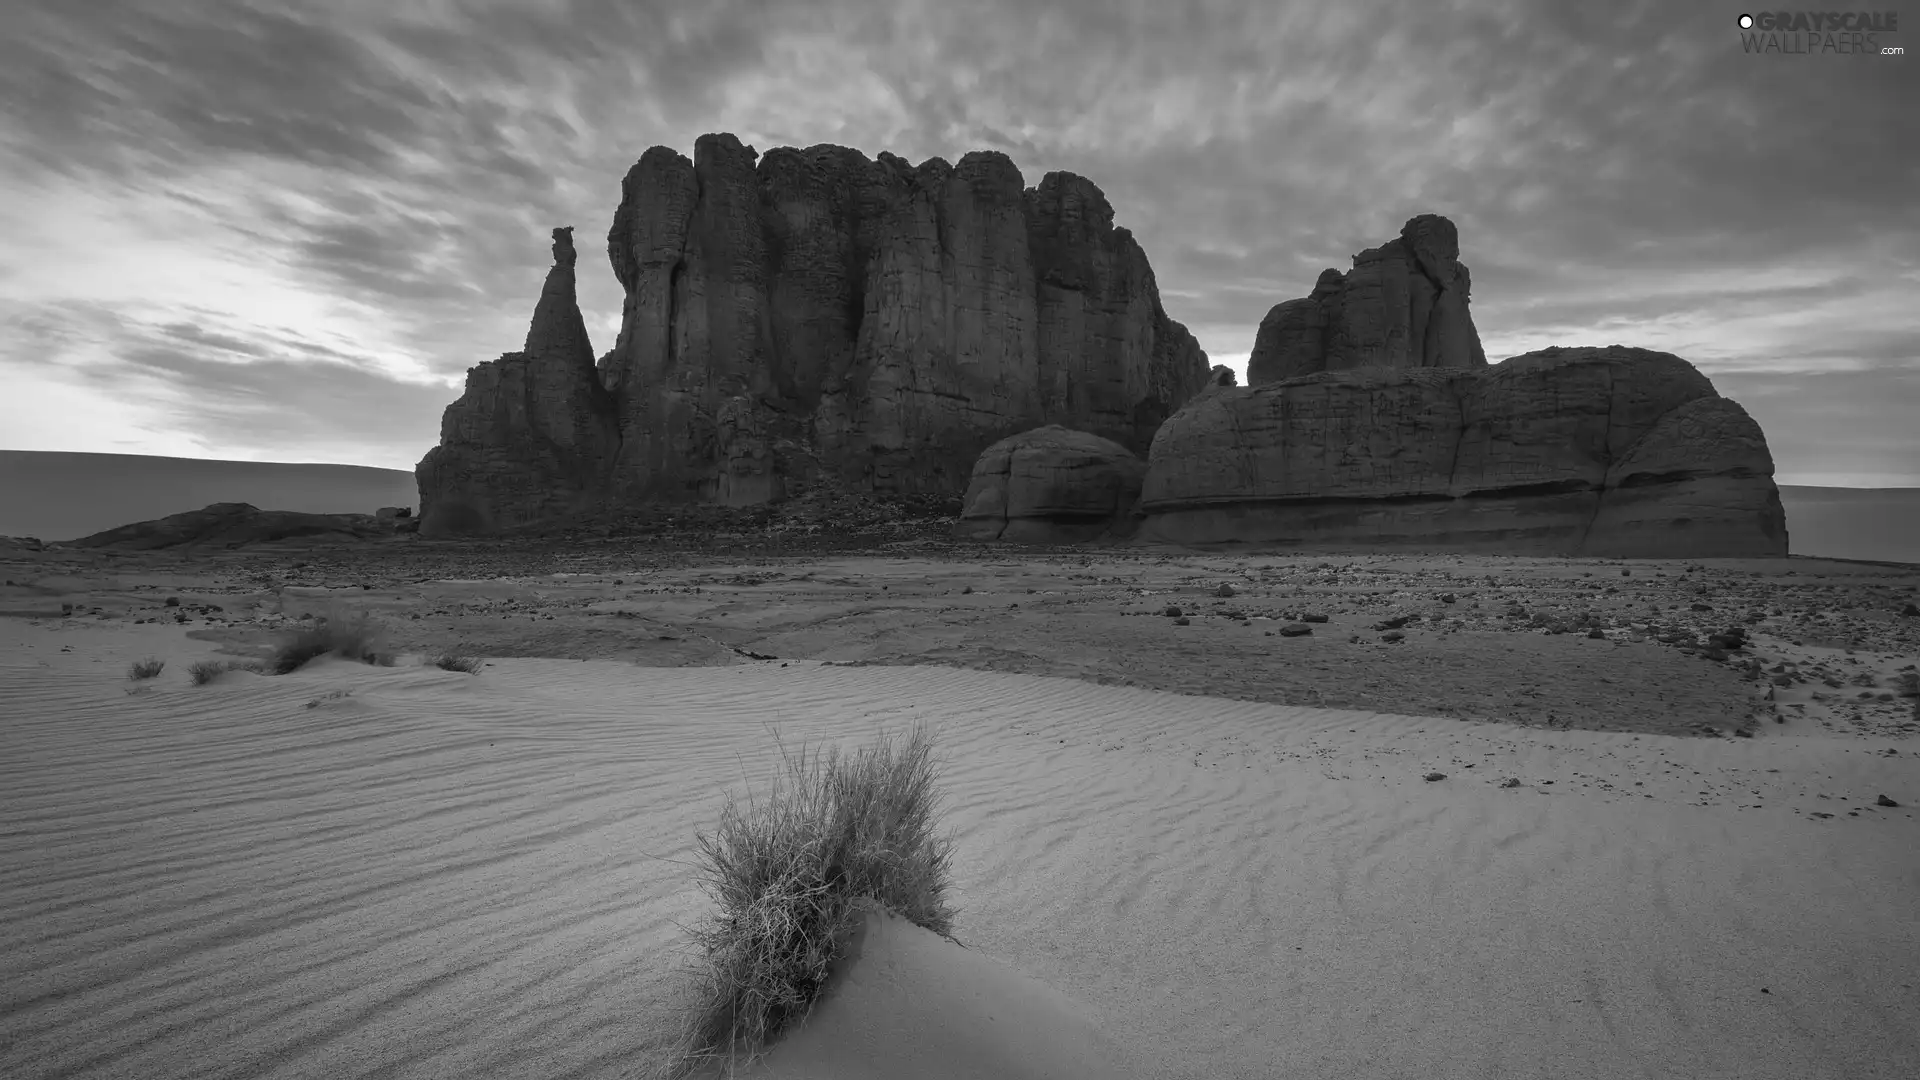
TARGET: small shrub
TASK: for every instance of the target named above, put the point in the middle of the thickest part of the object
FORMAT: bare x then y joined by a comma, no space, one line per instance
173,601
792,876
451,662
303,646
206,671
145,669
354,638
1908,684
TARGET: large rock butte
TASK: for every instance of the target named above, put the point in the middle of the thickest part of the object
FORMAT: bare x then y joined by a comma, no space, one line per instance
814,315
1586,451
1403,305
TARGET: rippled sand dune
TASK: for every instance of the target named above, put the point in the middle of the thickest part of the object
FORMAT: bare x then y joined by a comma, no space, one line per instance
407,872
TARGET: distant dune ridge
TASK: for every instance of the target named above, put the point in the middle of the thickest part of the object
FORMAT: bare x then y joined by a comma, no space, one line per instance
56,495
1882,524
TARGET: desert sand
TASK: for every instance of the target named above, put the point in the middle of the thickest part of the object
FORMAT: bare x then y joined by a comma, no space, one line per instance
1191,850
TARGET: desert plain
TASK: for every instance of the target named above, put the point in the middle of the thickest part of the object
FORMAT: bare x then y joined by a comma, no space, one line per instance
1487,817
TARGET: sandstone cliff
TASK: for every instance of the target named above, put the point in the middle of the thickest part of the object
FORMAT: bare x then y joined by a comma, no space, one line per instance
813,315
1590,451
1403,305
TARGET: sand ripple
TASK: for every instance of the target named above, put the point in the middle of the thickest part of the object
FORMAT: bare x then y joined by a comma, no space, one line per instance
353,871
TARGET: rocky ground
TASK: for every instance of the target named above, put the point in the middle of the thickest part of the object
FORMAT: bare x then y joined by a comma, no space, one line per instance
1713,647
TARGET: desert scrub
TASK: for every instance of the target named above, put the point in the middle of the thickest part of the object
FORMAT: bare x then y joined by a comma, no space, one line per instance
205,671
145,669
791,876
355,638
455,662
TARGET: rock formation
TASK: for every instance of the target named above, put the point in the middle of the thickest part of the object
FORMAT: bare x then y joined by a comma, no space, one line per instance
1590,451
1403,305
1051,485
533,433
232,525
1221,375
814,315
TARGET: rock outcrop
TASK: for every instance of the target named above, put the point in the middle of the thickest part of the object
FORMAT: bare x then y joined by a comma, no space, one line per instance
1403,305
1589,451
532,435
233,525
1051,485
809,315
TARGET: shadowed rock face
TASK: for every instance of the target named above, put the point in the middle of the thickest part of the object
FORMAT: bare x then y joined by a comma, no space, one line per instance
1590,451
533,433
1051,485
1404,304
813,315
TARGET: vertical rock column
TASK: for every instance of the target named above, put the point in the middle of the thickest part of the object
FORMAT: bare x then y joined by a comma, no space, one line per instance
531,436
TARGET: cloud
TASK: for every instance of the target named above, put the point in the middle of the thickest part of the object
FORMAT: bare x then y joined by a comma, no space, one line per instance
378,178
206,389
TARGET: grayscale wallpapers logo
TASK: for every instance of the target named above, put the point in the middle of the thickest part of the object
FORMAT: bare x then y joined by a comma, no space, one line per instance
1803,33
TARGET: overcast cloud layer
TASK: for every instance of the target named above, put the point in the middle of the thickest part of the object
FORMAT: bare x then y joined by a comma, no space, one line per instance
284,230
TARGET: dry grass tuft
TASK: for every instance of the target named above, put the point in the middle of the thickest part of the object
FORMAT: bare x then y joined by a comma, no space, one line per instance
456,662
205,671
356,638
791,876
146,669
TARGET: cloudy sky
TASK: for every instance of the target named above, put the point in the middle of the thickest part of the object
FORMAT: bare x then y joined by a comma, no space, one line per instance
282,230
